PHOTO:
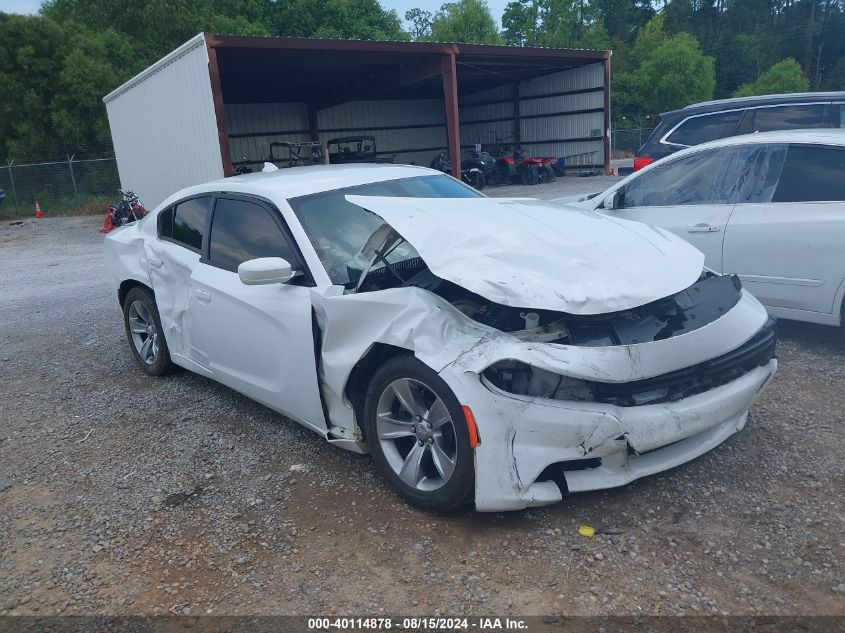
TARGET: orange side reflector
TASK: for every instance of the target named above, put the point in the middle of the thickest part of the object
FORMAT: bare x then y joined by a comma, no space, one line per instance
473,430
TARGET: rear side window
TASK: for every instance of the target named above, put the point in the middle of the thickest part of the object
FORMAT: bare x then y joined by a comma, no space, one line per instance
165,223
189,222
241,231
707,127
701,178
789,117
812,174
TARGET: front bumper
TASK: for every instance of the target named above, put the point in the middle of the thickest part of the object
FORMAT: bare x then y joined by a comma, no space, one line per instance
522,436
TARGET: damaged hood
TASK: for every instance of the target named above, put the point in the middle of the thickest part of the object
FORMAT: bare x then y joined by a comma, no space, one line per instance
532,254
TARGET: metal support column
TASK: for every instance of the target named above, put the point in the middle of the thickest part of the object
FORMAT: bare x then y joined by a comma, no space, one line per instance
453,121
607,113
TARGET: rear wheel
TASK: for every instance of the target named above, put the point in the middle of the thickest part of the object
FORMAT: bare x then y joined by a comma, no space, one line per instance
418,436
143,329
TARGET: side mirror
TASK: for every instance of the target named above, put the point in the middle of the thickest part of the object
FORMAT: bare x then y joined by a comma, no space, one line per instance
266,270
614,201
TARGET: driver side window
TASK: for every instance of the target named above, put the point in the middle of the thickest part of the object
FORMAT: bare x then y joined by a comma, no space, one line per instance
241,231
700,178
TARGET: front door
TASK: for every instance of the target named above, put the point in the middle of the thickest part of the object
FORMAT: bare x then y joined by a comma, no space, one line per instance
690,196
260,339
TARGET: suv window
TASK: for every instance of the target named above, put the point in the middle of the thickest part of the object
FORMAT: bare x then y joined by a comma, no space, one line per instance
189,222
241,231
701,178
759,172
707,127
812,174
786,117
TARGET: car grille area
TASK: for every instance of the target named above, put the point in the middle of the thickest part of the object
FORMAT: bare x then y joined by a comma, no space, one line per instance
756,352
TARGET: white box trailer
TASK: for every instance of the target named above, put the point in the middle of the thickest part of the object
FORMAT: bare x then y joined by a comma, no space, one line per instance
219,100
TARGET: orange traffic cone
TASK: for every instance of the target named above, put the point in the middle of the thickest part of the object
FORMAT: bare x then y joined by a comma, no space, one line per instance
38,212
108,225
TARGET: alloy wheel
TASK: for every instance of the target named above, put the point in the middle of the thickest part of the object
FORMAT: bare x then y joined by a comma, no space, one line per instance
144,333
416,434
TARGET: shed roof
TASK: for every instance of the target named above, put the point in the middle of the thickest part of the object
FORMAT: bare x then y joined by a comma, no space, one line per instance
278,69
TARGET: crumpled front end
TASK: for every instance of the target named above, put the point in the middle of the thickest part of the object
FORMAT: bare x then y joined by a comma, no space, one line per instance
650,407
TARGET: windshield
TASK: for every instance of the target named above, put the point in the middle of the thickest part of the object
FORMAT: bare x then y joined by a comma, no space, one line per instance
339,229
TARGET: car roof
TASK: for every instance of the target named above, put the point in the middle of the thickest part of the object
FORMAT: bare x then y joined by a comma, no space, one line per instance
294,182
825,136
759,100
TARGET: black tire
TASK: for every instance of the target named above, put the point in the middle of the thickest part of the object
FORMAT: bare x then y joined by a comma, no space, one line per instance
529,175
475,180
459,489
161,364
547,174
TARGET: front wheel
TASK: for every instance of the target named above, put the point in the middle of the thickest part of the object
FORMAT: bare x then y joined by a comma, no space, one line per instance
529,175
418,435
547,174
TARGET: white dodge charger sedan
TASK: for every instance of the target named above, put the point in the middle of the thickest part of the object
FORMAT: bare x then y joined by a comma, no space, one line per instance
501,351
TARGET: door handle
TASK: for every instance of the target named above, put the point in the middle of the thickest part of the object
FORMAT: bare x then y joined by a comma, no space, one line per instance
203,295
155,262
703,227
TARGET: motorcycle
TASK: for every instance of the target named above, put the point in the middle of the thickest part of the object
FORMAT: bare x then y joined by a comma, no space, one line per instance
494,172
472,176
129,210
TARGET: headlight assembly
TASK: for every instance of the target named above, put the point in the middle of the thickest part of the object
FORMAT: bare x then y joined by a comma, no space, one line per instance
521,379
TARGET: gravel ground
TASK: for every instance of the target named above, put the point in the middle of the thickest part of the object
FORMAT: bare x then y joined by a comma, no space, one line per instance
125,494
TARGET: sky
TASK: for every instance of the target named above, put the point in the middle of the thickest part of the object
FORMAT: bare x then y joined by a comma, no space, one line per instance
20,6
496,6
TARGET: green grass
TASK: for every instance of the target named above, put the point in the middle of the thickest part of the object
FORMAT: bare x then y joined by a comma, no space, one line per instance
53,207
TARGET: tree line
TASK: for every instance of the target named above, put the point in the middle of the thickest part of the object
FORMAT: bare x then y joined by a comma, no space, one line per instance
56,66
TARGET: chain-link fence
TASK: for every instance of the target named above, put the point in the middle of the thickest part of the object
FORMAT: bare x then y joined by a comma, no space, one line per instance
624,143
71,186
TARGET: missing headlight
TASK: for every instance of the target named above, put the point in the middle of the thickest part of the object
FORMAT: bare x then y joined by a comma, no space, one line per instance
521,379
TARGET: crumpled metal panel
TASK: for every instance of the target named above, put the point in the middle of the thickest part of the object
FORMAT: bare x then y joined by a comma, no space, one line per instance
532,254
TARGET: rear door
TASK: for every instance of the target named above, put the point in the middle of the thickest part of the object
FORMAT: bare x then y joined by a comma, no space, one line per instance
690,196
786,239
260,339
172,259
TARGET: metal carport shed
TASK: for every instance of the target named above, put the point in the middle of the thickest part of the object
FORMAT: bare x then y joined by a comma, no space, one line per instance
217,99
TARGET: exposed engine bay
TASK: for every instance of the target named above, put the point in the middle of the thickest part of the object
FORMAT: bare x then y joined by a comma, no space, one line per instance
706,300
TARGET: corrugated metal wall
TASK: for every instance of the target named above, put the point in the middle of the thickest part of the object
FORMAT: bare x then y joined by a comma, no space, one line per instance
413,130
560,115
163,126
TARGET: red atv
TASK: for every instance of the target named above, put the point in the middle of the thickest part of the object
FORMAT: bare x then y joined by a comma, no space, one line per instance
531,170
